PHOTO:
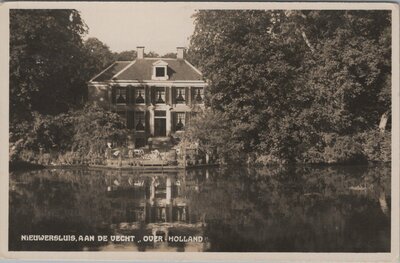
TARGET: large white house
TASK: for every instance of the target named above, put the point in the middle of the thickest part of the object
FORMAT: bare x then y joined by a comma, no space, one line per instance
156,96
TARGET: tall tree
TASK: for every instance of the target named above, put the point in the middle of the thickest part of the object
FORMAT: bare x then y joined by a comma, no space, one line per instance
285,79
125,55
170,55
151,54
45,61
97,56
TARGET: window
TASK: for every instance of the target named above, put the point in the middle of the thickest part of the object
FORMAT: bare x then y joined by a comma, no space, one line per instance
160,95
198,95
139,121
180,95
179,121
160,72
139,95
120,95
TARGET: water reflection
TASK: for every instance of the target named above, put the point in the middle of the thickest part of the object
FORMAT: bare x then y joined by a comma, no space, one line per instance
304,209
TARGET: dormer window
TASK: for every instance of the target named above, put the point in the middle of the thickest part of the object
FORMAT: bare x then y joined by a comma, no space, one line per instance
160,70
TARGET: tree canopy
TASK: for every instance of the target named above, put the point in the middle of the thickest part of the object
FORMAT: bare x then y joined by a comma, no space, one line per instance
45,61
288,78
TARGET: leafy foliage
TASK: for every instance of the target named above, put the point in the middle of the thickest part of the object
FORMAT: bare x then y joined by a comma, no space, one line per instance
170,55
45,61
97,56
125,55
212,131
94,127
85,131
286,78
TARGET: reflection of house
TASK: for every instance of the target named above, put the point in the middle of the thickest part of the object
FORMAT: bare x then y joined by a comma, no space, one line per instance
158,202
156,96
155,199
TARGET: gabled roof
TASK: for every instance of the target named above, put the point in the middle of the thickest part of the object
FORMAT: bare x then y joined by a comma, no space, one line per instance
142,69
109,72
160,62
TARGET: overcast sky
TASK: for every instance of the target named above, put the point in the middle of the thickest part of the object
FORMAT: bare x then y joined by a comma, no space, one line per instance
160,28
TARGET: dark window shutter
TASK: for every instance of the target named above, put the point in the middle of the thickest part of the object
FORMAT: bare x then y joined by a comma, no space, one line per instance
153,95
173,95
130,121
131,95
173,119
187,95
190,95
167,94
147,95
113,95
147,120
128,95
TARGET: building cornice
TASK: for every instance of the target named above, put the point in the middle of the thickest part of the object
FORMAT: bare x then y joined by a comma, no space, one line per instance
150,82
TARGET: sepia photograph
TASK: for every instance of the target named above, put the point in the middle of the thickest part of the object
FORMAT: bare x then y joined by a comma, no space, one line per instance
176,127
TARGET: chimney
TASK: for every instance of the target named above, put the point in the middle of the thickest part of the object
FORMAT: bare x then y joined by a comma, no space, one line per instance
140,52
181,52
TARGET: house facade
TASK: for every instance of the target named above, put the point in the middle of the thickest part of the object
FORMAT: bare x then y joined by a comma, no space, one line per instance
156,96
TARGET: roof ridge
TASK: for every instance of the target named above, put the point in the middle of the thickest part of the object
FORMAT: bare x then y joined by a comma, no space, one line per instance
102,72
193,67
141,69
122,70
161,58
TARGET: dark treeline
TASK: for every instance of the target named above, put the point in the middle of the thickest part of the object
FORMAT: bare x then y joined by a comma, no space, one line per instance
296,86
285,86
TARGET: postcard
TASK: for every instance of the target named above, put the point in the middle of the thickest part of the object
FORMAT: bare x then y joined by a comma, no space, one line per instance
200,131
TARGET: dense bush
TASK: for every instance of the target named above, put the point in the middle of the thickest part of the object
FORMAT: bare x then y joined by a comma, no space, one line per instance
94,127
344,150
359,148
376,145
213,133
213,130
71,138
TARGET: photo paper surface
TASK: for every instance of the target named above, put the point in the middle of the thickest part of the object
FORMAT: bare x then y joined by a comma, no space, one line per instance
201,131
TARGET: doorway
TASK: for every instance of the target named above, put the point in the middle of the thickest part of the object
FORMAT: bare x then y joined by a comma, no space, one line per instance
160,124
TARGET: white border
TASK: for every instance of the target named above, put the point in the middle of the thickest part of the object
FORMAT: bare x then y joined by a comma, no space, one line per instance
192,256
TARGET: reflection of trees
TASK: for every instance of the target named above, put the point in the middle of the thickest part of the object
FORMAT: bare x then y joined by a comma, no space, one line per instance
245,209
57,202
95,202
296,209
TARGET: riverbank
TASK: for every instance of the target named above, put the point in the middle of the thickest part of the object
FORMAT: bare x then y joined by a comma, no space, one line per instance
21,165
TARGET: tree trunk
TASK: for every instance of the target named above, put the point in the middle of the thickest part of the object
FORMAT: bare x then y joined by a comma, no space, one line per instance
383,122
303,34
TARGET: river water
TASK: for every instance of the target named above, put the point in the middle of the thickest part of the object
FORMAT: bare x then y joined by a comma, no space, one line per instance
230,209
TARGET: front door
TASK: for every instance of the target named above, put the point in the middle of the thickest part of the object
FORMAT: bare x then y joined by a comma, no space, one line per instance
160,127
